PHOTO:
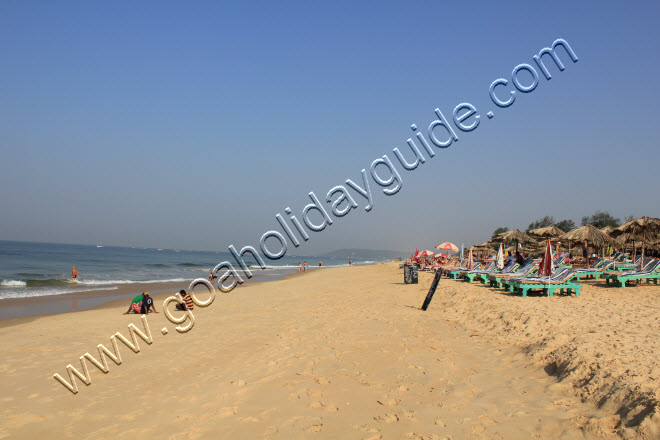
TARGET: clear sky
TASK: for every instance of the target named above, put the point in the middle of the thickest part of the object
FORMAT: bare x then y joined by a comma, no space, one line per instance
190,125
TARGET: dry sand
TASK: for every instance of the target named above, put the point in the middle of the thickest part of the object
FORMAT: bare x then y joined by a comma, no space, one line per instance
341,353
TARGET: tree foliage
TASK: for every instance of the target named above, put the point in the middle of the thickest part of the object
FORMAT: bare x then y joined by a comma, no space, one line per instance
541,223
600,219
566,225
498,231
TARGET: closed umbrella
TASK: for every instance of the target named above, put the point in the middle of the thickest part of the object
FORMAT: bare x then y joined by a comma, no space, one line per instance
470,264
546,267
500,258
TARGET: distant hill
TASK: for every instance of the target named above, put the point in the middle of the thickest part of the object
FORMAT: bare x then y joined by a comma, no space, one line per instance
365,254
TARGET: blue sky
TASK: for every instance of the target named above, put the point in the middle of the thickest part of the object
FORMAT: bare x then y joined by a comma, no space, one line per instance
166,124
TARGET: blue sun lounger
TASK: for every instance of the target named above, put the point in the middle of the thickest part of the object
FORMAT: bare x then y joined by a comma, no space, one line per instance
561,281
650,273
483,274
457,271
499,279
594,272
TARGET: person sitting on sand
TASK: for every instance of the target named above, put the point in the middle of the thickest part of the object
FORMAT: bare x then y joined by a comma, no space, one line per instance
187,303
133,306
148,303
74,274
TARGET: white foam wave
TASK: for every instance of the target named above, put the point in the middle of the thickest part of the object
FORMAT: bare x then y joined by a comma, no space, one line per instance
45,292
114,282
13,283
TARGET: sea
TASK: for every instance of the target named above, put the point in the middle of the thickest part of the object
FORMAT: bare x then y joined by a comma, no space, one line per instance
40,269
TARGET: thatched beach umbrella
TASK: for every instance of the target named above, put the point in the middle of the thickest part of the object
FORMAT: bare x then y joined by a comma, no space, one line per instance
547,232
646,228
483,247
591,234
515,235
607,230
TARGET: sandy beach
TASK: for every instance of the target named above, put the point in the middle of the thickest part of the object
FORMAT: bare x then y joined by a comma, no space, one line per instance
346,353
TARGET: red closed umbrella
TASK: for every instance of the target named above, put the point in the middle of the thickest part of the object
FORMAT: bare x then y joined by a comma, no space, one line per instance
545,268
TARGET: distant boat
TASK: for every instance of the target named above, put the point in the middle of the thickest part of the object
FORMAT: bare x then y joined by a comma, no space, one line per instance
98,246
160,249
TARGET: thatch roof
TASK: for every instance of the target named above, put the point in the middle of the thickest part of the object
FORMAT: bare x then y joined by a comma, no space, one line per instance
514,235
481,247
607,230
644,226
548,231
592,234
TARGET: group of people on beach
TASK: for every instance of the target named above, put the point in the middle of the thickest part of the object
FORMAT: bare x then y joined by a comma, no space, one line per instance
146,305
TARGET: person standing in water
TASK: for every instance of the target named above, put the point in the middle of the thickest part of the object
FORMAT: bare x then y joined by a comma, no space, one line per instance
320,265
211,278
349,261
299,266
74,274
305,266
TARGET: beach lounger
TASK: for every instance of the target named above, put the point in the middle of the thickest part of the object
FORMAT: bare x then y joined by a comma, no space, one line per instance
459,272
561,281
499,279
594,272
483,274
650,273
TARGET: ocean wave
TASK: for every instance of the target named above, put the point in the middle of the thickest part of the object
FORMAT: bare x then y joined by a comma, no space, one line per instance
110,282
13,283
23,293
53,282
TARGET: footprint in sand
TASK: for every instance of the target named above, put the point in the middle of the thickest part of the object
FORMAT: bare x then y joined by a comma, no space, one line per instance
227,412
387,418
439,422
319,405
366,428
389,402
322,380
317,427
409,414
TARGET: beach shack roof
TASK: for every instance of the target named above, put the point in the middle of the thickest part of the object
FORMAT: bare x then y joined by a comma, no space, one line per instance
593,235
547,232
514,235
649,226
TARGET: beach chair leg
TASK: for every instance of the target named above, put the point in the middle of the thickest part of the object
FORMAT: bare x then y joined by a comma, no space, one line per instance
551,291
524,291
596,276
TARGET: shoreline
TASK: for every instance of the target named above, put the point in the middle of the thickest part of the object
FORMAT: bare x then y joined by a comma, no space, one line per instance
44,305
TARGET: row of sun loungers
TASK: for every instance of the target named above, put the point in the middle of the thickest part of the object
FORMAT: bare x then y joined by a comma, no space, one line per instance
522,279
